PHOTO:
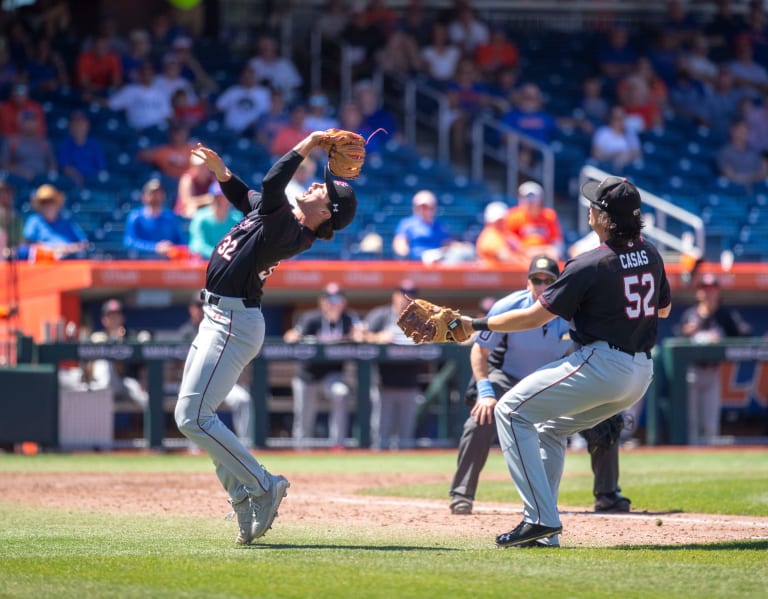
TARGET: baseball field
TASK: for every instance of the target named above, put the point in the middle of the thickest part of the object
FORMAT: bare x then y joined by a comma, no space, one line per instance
361,524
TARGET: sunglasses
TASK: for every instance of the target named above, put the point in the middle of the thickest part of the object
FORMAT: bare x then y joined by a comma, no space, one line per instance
538,281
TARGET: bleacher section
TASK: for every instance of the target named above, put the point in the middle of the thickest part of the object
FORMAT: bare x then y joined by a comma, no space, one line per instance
678,165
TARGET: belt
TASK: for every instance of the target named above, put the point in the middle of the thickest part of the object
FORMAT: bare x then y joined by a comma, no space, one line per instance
631,353
227,303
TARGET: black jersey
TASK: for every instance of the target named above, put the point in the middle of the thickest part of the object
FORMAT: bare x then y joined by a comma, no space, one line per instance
612,294
267,234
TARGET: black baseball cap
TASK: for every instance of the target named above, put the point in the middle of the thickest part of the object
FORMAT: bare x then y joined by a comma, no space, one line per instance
543,265
614,195
111,305
407,287
343,201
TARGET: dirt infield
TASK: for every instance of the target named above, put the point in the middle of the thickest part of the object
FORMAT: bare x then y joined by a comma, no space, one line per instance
320,499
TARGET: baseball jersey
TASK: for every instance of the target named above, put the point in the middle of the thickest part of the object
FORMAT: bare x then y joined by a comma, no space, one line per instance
612,294
268,233
525,351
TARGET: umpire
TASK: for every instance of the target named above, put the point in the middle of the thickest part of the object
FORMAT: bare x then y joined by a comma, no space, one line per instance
499,361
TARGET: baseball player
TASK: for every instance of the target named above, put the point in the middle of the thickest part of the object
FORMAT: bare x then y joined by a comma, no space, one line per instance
613,297
499,361
232,332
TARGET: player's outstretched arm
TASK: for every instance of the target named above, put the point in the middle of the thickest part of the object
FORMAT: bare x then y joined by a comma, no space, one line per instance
521,319
213,161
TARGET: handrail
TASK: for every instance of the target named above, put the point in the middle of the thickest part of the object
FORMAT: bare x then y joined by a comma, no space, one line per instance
438,122
655,225
507,154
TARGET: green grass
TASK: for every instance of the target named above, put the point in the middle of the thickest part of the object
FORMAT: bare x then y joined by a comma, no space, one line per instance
83,554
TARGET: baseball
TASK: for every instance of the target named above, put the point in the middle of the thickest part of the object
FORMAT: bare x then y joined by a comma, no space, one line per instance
658,522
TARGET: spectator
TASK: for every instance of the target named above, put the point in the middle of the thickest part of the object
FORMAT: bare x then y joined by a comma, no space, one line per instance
747,73
51,235
616,57
139,51
211,223
593,108
641,103
99,71
497,53
663,56
681,22
28,153
374,116
467,97
144,105
529,116
238,399
46,71
493,245
421,231
697,61
292,133
332,322
533,227
172,158
274,70
503,90
319,115
466,30
20,103
440,57
362,42
686,95
269,123
121,377
614,143
395,391
332,20
721,30
401,55
152,231
721,107
737,162
301,180
11,226
757,32
170,79
191,69
80,156
244,103
755,113
194,188
187,113
707,322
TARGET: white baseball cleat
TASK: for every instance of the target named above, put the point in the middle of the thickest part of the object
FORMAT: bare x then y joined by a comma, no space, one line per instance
265,506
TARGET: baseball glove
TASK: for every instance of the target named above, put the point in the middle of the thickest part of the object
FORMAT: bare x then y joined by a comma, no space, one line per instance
605,434
425,322
346,152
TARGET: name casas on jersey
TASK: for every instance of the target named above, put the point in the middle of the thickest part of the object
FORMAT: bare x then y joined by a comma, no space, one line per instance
634,259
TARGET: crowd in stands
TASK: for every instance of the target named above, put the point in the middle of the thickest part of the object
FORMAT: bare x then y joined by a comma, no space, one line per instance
118,111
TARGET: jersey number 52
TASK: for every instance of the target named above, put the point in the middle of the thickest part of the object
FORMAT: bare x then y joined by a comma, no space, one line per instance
638,291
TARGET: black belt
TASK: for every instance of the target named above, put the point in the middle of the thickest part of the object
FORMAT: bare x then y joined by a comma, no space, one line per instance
631,353
214,300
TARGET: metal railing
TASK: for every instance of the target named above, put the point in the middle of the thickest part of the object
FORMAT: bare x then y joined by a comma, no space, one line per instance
656,225
507,153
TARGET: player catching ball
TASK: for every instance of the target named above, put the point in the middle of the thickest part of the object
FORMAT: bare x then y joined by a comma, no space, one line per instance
232,331
613,297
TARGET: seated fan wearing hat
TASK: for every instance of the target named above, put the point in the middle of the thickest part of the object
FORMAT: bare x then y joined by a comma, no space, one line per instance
49,234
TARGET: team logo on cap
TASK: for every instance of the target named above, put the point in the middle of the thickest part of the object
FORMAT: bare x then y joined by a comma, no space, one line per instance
335,207
542,263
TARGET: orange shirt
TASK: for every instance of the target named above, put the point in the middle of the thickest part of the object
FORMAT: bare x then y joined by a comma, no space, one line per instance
9,116
543,229
493,56
172,161
491,243
99,72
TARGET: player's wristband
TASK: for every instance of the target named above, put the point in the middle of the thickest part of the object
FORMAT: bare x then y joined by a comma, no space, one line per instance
480,324
485,388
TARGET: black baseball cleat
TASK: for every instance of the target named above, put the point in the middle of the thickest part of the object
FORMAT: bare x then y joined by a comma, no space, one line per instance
612,503
525,533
